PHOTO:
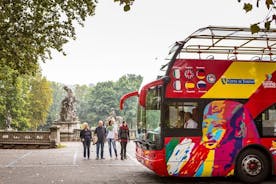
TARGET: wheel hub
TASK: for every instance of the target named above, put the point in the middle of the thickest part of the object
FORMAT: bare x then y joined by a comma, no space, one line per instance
251,165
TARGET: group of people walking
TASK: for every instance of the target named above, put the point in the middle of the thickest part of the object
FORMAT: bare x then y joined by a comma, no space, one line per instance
102,134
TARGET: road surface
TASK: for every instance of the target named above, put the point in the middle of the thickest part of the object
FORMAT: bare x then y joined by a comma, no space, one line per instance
66,165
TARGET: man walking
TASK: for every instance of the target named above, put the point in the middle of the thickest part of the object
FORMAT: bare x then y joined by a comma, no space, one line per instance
100,131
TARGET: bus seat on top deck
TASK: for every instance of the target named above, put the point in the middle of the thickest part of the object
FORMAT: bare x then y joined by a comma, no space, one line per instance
211,57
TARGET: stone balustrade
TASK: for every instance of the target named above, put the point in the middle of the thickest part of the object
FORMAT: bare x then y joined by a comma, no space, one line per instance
41,139
30,139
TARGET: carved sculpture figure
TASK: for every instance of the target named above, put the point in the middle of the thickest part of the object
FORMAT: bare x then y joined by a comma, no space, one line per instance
68,112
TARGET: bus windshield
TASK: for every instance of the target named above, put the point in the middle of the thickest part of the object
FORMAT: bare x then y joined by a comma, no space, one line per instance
148,127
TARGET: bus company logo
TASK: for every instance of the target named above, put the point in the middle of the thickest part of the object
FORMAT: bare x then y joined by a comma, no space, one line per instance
211,78
237,81
189,74
224,80
200,73
268,83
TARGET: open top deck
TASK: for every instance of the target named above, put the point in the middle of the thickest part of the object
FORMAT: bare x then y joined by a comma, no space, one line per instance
229,43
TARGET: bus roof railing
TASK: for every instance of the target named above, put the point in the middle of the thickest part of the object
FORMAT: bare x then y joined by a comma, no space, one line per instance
230,40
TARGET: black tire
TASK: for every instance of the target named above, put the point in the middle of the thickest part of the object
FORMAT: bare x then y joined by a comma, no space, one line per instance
252,166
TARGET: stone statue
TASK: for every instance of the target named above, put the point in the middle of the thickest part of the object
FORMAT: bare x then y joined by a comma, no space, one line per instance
68,112
112,114
116,119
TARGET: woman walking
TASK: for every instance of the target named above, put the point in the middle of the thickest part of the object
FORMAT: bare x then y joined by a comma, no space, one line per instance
123,138
85,136
111,135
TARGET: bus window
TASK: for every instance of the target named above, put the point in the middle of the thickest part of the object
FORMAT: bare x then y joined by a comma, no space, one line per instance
148,126
266,122
181,113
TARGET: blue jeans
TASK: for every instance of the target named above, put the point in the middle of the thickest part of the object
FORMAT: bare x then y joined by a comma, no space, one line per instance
100,144
86,148
111,142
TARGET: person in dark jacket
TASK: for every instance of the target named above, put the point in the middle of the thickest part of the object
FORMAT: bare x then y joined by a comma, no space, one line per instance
85,135
123,136
100,131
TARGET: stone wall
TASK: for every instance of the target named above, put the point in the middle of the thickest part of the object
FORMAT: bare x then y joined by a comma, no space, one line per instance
41,139
30,139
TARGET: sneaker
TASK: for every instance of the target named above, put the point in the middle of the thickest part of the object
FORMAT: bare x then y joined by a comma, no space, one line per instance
97,158
103,158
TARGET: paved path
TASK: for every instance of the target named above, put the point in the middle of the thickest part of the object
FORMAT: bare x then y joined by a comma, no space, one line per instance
66,165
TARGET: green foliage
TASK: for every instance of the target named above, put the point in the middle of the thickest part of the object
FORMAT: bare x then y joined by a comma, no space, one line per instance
12,98
267,25
29,29
247,7
126,84
40,101
57,95
24,100
255,28
269,3
95,102
101,99
125,3
271,16
81,93
34,103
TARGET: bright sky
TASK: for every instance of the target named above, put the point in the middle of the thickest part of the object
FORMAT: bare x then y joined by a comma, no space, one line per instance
113,42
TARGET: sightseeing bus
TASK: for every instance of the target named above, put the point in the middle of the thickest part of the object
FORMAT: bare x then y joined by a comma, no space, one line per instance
221,81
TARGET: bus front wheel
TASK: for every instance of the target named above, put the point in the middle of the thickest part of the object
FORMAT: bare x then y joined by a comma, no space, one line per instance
252,166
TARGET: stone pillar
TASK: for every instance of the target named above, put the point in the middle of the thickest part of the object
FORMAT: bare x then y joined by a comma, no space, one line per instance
55,135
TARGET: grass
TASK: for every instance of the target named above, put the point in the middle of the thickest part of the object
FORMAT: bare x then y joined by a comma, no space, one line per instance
61,146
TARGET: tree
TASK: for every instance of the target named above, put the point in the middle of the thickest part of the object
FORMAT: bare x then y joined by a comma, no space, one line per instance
29,29
54,110
81,93
271,16
126,84
95,102
40,101
13,99
106,95
101,99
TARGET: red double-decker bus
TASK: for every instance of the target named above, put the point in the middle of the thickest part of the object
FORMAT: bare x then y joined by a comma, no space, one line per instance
213,110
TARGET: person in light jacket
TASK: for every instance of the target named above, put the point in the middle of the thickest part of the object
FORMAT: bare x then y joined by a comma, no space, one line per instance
111,138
